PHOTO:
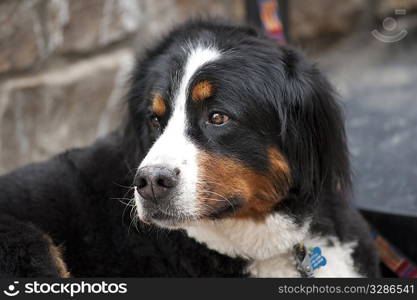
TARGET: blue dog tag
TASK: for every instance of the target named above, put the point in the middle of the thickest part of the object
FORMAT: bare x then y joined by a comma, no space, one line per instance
316,259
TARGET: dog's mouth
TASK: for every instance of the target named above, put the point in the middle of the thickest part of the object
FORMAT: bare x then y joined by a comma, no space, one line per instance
170,216
162,215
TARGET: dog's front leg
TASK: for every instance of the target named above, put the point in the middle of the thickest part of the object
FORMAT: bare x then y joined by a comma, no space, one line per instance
26,251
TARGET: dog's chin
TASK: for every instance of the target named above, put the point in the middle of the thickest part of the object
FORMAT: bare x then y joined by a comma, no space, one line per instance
170,224
164,220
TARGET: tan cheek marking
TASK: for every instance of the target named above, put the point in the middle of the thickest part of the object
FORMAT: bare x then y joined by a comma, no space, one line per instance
158,105
223,177
279,165
201,91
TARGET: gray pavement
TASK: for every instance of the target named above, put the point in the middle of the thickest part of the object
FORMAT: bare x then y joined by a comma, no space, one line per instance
378,85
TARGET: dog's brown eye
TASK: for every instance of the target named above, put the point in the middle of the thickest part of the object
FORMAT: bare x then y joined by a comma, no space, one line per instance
155,122
218,118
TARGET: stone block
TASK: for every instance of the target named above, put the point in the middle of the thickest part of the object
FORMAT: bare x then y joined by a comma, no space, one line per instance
94,24
21,39
47,113
323,20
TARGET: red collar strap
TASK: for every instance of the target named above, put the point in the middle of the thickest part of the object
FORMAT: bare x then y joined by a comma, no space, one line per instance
393,259
268,11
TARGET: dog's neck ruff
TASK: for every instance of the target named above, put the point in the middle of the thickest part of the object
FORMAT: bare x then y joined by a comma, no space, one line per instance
249,239
269,246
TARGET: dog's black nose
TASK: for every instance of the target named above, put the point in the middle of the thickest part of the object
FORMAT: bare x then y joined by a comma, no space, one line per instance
155,183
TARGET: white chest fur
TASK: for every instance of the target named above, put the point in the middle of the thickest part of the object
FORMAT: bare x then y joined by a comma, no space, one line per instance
269,246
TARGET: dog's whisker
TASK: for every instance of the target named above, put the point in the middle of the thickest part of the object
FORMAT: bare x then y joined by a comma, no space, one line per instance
219,200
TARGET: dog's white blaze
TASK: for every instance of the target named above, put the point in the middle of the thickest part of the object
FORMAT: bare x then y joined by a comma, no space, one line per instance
173,148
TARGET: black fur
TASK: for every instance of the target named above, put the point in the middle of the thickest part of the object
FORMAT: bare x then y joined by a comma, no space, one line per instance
278,99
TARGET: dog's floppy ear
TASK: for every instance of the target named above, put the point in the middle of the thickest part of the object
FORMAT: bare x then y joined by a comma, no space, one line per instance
136,134
313,133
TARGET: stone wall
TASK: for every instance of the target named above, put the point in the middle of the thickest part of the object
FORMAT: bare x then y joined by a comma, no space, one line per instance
63,65
322,23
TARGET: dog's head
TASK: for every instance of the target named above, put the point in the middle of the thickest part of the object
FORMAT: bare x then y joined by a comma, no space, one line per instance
231,125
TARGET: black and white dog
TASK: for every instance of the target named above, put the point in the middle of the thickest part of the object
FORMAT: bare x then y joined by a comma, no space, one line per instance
237,153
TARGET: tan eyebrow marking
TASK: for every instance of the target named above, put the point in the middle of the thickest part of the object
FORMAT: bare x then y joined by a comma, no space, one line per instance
201,91
158,105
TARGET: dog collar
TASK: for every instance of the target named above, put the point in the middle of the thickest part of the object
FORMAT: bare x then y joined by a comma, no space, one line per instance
308,260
